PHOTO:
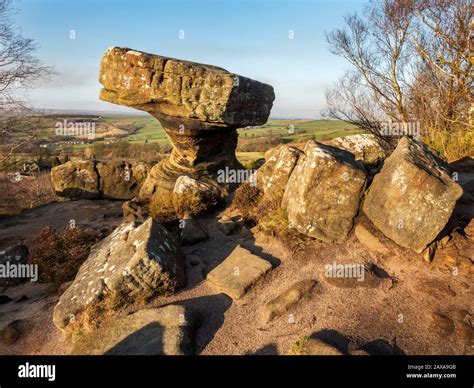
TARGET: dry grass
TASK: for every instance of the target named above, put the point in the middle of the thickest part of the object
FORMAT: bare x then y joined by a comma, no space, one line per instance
26,193
245,201
60,254
259,144
113,305
169,207
452,145
266,212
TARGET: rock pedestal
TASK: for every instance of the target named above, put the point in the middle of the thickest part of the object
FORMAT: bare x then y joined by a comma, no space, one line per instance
199,106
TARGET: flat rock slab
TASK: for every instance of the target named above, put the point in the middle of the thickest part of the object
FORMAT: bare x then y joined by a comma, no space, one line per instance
238,272
159,331
178,88
286,300
413,196
370,241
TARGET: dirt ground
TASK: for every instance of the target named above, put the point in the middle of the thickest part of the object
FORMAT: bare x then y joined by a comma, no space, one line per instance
414,307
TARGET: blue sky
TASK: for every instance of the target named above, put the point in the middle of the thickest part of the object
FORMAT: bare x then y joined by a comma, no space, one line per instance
250,38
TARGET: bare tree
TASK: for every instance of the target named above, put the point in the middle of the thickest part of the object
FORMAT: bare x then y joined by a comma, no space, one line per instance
441,95
377,47
19,70
410,62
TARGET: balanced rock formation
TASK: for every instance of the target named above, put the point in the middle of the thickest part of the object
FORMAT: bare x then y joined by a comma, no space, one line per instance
168,330
99,179
413,196
323,192
199,106
134,260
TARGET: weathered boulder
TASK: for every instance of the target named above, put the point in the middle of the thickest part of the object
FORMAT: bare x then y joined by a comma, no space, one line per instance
238,273
199,106
365,147
273,176
167,330
323,193
135,260
76,179
413,196
97,179
119,179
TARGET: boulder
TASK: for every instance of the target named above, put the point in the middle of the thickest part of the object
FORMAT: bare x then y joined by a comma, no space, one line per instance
199,106
413,196
208,190
119,179
273,176
286,300
76,179
167,330
323,193
365,147
135,260
238,273
353,275
96,179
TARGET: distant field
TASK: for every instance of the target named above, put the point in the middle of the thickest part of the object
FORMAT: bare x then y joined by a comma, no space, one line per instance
148,128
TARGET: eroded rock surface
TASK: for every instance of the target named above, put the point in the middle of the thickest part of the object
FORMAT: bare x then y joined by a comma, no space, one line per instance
413,196
273,176
99,179
323,193
137,260
365,147
167,330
